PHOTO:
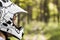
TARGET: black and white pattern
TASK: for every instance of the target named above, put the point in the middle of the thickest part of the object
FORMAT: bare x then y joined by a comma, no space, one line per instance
7,11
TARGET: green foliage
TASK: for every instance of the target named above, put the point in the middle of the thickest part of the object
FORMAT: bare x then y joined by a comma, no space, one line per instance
43,15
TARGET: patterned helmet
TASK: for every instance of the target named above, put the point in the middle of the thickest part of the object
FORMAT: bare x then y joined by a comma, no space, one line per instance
7,11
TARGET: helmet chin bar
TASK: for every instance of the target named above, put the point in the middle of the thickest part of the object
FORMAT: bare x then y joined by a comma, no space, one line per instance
6,23
13,31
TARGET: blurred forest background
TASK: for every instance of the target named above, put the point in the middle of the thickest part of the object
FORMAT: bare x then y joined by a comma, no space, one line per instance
42,20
